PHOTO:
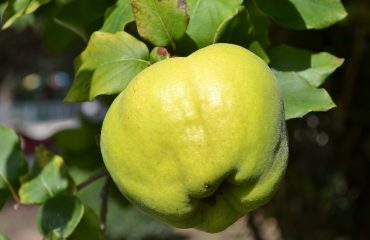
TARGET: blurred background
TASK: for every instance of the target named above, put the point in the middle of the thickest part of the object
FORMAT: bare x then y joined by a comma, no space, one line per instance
324,195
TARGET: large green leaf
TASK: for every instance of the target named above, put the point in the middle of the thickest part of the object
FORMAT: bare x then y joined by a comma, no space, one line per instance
300,97
88,228
304,14
161,22
314,67
90,193
3,237
118,16
242,31
209,18
55,37
59,216
79,147
261,23
18,8
42,157
107,65
12,163
82,16
53,236
52,180
125,221
4,195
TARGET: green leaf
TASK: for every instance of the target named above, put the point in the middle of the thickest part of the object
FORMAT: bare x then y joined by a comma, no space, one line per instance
89,194
125,221
18,8
261,23
12,162
314,67
3,5
60,216
42,157
300,97
3,237
209,19
107,65
79,147
256,48
304,14
4,195
51,181
82,16
55,37
53,236
118,16
161,22
88,228
242,31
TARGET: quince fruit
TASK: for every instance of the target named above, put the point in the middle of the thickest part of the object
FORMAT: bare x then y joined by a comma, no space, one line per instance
198,141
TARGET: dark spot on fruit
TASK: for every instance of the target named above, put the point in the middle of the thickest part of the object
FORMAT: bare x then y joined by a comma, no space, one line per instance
280,140
87,86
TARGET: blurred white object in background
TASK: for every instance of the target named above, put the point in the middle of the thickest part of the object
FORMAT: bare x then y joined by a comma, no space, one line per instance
39,119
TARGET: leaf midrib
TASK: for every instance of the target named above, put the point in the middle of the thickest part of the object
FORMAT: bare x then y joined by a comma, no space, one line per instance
162,22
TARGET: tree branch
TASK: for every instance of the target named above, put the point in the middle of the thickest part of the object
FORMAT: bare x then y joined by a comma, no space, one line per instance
92,179
251,220
104,202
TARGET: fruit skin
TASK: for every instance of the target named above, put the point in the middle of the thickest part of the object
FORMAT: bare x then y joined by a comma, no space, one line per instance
198,141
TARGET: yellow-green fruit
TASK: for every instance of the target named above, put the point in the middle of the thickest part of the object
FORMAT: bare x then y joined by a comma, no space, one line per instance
198,141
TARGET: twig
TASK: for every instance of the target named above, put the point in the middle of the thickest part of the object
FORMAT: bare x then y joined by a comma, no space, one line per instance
92,178
352,70
253,226
104,203
11,189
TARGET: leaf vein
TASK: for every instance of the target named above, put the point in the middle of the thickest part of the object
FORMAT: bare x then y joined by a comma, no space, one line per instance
162,22
46,186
